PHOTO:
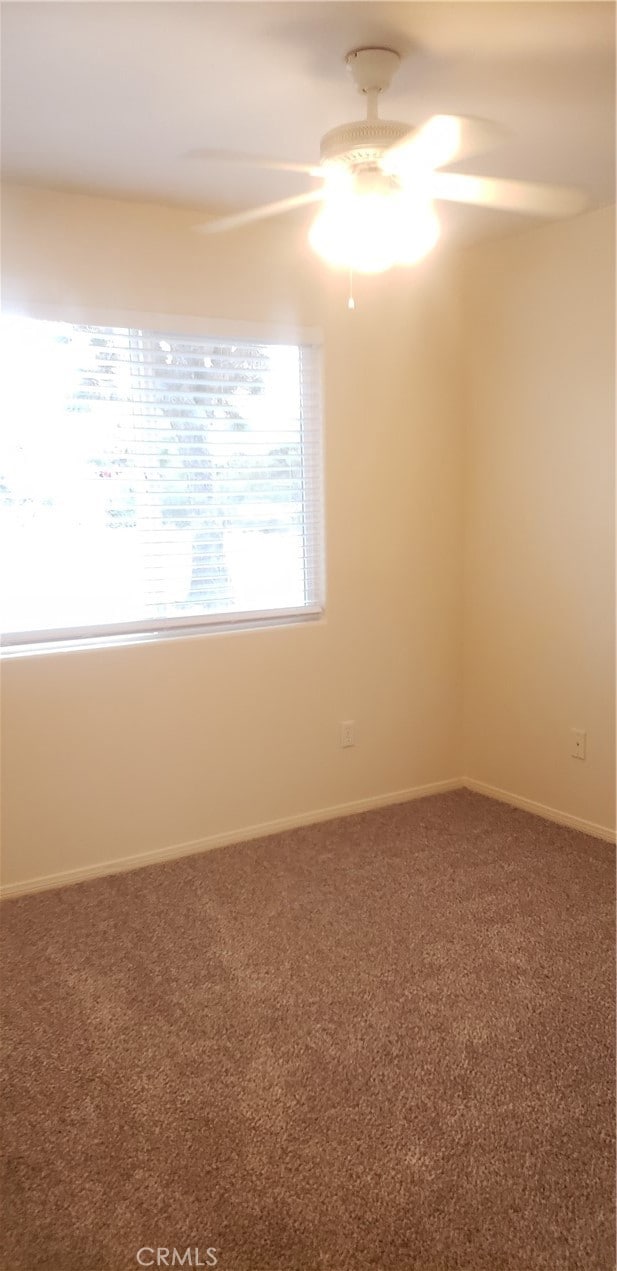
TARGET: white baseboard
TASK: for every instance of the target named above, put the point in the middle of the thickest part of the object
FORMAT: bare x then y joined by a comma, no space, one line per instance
541,809
242,835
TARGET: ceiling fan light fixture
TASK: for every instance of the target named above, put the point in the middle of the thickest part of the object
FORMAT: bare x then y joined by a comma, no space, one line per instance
371,230
380,178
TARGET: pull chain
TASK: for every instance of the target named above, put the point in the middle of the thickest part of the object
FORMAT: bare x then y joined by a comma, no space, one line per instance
351,304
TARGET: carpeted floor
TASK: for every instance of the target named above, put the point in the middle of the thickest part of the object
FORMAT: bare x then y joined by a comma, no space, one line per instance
381,1042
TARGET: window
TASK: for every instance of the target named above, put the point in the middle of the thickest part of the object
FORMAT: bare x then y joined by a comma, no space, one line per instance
155,483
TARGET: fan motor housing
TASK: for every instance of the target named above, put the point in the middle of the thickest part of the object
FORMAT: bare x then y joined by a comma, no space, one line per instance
362,141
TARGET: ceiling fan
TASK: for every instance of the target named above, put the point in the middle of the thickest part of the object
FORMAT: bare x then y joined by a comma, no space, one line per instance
380,179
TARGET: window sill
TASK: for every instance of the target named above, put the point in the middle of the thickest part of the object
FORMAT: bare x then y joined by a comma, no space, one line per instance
75,644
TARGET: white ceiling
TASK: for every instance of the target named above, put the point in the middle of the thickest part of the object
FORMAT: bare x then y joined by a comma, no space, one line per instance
108,97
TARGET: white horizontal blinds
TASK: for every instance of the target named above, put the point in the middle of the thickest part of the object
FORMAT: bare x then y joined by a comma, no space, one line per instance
154,480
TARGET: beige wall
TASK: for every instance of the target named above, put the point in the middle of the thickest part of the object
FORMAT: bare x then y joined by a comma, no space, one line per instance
539,578
110,753
496,429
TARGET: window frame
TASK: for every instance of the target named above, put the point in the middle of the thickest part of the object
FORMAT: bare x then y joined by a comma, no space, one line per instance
14,644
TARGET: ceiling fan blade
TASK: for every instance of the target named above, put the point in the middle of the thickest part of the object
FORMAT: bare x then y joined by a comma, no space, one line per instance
237,219
255,161
508,196
442,139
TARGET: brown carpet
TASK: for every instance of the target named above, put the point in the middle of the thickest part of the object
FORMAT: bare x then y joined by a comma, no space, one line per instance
381,1042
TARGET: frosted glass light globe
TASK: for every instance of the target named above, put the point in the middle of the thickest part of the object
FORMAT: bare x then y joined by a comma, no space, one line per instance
370,224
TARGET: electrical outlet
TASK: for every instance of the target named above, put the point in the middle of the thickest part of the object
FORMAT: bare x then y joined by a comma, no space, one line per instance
578,743
348,733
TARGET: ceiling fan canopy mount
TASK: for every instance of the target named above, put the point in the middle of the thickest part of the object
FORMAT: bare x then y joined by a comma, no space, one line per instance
372,69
